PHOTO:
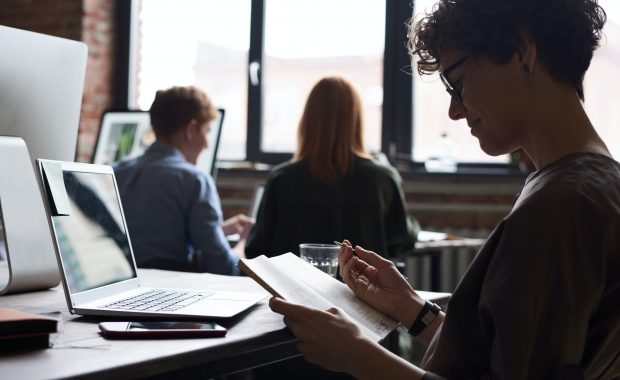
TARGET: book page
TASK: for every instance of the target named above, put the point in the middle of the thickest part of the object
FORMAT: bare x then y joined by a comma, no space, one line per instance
297,281
278,281
338,294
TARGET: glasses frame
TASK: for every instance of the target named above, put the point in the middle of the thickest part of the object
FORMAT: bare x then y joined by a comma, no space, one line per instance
454,92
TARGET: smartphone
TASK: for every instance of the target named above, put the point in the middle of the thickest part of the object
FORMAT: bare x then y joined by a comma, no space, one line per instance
160,329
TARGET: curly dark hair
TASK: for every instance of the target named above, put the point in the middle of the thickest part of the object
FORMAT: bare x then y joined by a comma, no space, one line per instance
173,108
566,33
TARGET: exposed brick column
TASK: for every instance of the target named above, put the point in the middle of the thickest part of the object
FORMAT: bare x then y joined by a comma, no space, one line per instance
98,33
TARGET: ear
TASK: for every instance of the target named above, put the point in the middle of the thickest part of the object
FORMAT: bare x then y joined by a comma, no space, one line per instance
190,130
527,56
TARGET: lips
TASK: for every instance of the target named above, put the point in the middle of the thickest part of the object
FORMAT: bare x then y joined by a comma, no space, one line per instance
473,123
472,126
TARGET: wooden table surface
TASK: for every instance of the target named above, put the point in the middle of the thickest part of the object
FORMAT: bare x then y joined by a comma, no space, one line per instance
256,337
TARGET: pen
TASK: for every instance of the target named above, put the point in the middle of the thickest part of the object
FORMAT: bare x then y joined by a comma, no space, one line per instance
352,249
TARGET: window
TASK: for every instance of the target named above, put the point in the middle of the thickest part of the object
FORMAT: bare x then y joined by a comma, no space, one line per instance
292,43
303,43
431,119
601,101
208,43
602,80
197,42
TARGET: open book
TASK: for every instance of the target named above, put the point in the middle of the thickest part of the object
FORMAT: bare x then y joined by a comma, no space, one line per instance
291,278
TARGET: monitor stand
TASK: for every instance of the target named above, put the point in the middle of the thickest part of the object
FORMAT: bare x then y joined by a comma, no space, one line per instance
27,236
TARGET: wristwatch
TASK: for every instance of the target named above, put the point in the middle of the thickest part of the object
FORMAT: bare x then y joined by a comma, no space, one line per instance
425,317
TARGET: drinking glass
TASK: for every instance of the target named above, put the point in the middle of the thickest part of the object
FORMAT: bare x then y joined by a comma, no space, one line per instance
322,256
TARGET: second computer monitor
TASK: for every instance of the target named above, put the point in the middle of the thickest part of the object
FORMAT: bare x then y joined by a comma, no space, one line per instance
126,133
122,134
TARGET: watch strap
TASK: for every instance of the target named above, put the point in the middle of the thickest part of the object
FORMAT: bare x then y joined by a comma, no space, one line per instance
425,317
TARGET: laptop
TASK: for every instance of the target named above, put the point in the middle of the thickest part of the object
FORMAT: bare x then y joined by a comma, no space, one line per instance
257,197
93,249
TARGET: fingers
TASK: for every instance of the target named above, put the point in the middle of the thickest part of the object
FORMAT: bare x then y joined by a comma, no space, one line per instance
347,262
353,268
303,321
371,258
245,220
291,310
323,336
239,221
357,275
344,255
294,312
345,249
333,310
347,252
238,224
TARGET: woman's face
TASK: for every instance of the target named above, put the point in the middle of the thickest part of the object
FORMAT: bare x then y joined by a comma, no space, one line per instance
493,99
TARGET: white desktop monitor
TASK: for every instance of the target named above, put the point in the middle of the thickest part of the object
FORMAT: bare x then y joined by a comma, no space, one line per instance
128,133
41,85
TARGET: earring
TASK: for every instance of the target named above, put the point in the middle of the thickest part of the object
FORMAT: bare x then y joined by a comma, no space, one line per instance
526,69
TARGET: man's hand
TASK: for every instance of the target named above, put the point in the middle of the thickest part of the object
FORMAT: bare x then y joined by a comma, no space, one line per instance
239,224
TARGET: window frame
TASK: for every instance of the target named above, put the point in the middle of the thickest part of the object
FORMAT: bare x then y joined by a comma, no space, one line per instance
398,109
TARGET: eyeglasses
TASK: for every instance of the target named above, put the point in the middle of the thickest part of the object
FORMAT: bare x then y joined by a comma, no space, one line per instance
451,88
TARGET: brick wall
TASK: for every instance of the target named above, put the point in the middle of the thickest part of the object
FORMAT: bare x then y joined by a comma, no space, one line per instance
98,33
89,21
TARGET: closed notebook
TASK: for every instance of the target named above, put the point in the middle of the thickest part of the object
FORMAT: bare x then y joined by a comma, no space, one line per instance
15,322
25,342
22,330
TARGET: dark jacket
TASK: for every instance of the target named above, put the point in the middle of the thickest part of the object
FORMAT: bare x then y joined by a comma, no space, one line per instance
367,207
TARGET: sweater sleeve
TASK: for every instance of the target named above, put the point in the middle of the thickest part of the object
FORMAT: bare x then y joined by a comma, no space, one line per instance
205,230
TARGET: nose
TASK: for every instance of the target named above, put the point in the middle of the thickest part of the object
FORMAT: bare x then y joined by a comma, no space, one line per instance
456,110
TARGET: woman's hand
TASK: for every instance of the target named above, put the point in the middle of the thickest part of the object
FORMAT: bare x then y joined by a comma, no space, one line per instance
330,339
377,281
326,338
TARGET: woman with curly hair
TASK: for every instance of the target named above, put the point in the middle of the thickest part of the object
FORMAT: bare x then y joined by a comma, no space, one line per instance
540,300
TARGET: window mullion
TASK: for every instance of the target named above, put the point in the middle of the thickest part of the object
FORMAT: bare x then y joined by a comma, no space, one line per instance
396,136
255,83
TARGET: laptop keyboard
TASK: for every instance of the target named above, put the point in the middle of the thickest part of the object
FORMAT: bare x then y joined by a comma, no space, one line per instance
158,300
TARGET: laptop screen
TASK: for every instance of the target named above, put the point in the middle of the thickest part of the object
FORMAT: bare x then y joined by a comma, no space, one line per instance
92,240
207,160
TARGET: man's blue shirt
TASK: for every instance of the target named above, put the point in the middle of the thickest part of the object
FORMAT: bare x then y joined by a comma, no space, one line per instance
172,211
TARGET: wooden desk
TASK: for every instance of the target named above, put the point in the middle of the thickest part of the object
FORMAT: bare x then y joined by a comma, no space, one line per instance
255,338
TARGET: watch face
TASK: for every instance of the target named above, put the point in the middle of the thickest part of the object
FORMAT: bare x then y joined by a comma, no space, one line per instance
428,317
427,314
